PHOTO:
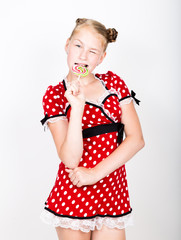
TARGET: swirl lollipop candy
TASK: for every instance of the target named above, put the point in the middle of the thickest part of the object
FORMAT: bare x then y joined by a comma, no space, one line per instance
80,71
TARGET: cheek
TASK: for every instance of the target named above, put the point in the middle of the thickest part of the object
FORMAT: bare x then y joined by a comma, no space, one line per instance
94,60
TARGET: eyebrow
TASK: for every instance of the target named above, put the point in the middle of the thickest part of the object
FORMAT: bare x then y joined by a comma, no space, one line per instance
94,49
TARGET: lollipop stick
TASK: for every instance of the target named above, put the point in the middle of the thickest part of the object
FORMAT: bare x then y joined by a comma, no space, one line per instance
78,78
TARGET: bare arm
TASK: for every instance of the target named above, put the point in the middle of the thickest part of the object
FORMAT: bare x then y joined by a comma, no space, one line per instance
128,148
68,135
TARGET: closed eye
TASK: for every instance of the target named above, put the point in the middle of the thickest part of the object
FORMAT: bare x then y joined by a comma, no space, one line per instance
78,45
93,52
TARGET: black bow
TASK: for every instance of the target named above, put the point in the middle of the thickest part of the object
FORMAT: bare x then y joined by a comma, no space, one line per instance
44,119
133,94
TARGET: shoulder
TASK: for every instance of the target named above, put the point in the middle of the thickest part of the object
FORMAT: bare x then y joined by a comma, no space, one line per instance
114,82
54,91
54,100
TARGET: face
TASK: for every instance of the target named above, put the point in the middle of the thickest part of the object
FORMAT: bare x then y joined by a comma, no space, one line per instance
85,48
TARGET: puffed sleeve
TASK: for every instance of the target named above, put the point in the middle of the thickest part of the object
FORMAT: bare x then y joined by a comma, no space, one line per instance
53,104
118,84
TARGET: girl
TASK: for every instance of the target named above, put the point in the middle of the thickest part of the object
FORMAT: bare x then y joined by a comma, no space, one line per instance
86,118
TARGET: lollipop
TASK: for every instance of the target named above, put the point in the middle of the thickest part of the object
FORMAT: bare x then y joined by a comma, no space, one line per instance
80,71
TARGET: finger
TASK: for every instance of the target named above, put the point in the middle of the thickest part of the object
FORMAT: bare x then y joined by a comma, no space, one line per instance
79,184
75,182
68,170
74,87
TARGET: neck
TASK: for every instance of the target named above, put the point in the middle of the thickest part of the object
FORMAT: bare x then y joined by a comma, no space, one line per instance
83,80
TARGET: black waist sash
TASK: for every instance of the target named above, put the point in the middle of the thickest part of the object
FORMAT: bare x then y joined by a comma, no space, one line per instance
105,128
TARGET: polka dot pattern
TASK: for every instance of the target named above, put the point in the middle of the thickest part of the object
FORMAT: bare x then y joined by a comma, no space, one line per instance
110,195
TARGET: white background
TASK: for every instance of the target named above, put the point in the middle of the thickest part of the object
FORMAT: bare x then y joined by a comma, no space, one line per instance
146,55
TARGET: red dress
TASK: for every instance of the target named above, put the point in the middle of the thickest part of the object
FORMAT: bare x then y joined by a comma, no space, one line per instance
109,197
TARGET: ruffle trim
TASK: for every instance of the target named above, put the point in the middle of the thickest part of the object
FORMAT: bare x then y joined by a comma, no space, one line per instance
53,120
86,225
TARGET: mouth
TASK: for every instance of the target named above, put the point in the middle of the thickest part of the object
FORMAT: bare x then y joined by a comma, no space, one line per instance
82,65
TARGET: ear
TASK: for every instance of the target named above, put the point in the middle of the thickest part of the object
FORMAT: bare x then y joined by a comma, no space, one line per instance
102,58
67,45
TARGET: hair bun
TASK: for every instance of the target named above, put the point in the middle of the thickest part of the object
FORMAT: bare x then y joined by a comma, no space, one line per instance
80,21
111,34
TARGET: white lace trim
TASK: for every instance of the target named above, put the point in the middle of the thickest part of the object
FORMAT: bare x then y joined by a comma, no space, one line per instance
53,120
86,225
126,101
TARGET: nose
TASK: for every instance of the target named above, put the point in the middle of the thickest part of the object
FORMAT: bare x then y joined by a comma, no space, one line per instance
83,54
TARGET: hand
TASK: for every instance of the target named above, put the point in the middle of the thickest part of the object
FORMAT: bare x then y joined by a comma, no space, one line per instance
75,95
81,176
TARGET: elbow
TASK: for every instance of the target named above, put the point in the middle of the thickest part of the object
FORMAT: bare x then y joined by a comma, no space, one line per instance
69,161
141,143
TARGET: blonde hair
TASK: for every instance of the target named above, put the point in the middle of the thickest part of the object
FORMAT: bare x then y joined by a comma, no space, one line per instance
109,34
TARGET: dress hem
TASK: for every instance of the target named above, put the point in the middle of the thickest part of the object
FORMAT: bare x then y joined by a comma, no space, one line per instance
91,217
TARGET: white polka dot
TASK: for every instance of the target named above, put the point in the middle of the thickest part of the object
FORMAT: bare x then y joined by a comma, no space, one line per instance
65,193
71,213
99,155
73,201
87,203
67,208
53,200
94,151
81,210
79,195
94,162
84,188
96,201
77,206
63,204
85,214
102,209
69,197
93,116
90,208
